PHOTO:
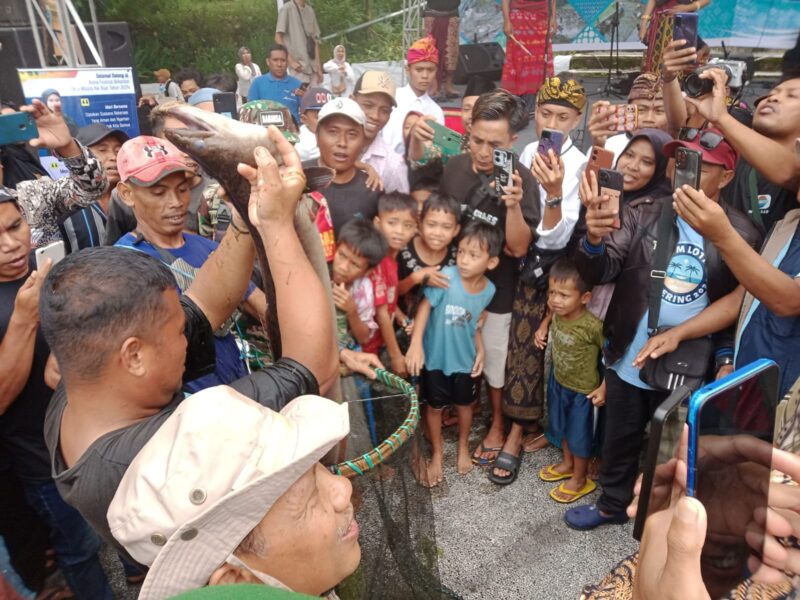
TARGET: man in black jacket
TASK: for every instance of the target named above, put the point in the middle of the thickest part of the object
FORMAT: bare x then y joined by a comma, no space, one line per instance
694,277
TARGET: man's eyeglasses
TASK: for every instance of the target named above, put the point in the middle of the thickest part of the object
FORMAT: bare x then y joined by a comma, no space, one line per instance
708,139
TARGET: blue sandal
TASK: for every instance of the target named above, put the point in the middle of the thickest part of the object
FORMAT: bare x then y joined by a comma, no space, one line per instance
587,517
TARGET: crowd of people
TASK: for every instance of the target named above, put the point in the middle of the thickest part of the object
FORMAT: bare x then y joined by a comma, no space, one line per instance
133,410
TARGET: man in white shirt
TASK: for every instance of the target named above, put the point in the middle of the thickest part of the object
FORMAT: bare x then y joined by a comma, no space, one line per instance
375,92
648,95
421,64
310,104
559,106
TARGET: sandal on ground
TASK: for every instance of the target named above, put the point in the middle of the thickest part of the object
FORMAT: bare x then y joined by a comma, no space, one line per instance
571,495
480,460
584,518
549,474
507,462
531,439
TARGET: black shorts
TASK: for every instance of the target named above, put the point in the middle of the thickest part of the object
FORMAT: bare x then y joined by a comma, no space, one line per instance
440,390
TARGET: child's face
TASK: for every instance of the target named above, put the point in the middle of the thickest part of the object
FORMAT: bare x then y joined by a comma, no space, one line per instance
348,265
438,229
309,119
398,227
473,259
565,299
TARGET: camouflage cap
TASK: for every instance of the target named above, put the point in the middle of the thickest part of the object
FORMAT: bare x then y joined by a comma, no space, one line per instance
269,112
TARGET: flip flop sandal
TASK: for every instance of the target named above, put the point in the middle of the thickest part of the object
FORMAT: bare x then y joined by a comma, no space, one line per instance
507,462
588,488
530,441
480,460
549,474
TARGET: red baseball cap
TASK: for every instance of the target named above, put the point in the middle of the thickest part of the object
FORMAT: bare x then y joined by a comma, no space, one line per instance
146,160
722,154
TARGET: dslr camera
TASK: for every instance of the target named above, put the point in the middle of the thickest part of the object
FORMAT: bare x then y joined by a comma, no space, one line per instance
696,87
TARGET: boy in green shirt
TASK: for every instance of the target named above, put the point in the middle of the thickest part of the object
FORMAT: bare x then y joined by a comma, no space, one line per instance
574,385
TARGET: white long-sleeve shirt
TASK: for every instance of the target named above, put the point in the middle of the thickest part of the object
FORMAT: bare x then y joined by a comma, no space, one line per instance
246,74
407,100
574,164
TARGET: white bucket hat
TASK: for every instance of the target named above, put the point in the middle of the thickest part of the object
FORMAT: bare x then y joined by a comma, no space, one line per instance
207,478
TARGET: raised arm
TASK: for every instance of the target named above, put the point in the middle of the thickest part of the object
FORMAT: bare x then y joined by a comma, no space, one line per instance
770,158
304,315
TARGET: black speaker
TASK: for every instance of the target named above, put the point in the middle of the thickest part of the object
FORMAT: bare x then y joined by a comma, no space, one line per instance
485,60
18,51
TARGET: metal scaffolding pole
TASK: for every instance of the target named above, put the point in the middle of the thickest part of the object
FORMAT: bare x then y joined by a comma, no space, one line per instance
412,24
66,38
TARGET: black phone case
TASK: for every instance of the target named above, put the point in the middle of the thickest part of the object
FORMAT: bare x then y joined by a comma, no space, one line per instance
687,168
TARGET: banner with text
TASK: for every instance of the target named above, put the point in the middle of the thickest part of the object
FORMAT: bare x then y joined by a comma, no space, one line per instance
588,24
86,95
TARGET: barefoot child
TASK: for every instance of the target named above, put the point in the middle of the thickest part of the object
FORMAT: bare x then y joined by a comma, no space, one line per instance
397,222
447,340
574,384
360,248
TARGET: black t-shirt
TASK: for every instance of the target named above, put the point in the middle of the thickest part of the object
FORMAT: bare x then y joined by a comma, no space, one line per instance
21,424
465,185
408,262
90,484
443,5
774,201
351,199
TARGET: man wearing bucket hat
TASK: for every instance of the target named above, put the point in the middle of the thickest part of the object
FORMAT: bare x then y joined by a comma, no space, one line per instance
695,276
228,491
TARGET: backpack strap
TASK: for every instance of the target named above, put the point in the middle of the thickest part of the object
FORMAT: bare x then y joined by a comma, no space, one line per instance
665,243
755,209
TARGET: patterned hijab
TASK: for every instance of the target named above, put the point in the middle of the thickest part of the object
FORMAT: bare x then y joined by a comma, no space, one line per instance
567,92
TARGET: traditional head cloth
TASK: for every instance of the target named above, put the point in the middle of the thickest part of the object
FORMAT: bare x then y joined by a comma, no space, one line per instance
658,185
566,92
423,50
646,86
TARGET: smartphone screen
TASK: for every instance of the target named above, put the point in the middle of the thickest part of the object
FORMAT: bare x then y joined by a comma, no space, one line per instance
730,448
666,429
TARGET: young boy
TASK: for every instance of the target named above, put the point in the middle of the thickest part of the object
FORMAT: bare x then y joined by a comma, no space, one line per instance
447,340
574,384
397,222
359,250
310,105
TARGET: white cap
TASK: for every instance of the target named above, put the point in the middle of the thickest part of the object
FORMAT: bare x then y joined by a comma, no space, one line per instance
343,106
209,475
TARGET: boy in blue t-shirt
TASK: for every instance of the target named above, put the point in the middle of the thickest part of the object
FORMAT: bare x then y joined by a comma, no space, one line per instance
447,341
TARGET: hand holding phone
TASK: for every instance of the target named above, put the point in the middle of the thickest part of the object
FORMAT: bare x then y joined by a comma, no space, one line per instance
688,164
17,127
611,184
684,27
551,139
626,117
504,165
54,252
444,138
599,158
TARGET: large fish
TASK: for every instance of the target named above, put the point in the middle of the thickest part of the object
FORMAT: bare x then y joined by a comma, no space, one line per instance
219,144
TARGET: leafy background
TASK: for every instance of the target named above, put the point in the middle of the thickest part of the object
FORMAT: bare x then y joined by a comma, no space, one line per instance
207,34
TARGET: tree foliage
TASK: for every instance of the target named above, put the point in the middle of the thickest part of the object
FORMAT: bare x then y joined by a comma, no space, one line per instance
207,34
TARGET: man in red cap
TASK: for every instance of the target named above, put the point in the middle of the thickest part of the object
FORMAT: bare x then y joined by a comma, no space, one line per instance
694,276
421,64
155,182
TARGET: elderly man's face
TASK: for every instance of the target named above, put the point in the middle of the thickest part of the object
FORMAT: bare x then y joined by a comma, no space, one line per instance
310,535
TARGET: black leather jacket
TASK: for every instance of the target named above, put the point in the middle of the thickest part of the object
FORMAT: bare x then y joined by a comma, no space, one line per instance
626,258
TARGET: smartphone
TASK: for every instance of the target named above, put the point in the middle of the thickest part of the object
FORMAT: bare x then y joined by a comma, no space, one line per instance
550,139
225,104
611,184
600,158
17,127
444,138
731,428
687,168
504,165
666,429
626,117
684,27
54,251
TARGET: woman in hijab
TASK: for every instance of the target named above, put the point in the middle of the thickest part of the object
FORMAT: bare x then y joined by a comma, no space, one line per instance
644,172
343,79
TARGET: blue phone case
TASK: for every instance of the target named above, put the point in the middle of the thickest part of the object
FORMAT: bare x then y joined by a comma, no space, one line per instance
702,396
17,127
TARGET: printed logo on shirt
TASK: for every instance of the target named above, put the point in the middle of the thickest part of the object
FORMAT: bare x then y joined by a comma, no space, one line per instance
686,275
764,202
457,316
479,214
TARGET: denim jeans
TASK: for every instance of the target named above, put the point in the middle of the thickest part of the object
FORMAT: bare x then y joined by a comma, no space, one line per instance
75,542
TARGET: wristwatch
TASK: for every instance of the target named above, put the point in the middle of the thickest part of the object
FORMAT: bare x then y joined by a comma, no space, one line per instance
553,202
723,361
